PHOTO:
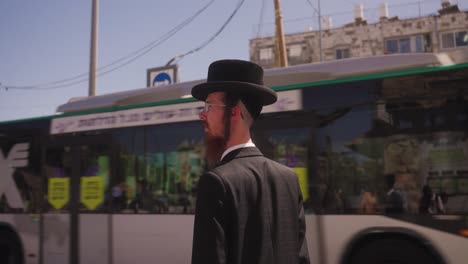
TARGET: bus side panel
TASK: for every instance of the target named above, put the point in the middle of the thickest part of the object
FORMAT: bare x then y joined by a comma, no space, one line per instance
147,239
341,230
21,182
313,236
94,238
56,238
27,227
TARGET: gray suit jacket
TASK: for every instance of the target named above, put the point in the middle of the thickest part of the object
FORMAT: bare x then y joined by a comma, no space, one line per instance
249,210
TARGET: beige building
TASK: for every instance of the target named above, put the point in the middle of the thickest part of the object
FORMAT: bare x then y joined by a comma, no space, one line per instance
447,31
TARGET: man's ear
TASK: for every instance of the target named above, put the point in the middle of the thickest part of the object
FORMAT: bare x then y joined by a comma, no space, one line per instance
236,112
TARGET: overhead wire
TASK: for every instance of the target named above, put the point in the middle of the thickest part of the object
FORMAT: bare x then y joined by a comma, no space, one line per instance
313,7
67,82
216,34
147,48
260,20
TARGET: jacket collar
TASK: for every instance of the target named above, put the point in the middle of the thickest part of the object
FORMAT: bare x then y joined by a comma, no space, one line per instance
241,153
238,146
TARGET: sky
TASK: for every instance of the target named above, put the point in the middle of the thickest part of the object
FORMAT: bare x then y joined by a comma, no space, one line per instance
44,42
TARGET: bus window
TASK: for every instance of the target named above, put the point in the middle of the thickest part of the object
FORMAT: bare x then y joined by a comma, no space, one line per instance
58,169
94,178
158,168
392,127
348,166
286,139
182,148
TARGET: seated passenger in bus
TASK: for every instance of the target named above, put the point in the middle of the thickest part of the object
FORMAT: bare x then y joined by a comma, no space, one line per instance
395,199
368,204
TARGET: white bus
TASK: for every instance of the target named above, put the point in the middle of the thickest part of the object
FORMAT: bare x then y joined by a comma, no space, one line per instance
113,178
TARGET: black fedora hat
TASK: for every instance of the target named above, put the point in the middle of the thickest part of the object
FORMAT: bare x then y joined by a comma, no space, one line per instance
244,78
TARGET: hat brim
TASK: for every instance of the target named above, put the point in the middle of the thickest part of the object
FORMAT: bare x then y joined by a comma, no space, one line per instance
265,95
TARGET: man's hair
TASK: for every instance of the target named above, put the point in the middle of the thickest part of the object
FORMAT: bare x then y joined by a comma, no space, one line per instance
231,100
246,114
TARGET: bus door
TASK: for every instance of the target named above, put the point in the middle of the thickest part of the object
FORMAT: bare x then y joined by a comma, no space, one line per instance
76,226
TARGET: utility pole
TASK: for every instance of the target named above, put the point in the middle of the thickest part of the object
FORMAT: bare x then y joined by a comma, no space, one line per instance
92,63
320,30
281,59
318,12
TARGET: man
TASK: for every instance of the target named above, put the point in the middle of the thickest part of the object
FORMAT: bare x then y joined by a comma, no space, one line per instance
249,208
395,200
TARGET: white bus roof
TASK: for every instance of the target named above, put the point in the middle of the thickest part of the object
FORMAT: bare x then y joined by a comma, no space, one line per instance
273,77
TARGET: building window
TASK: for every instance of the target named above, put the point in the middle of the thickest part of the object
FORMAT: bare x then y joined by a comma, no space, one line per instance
266,54
448,41
402,45
461,38
454,39
417,43
391,46
294,50
342,54
405,46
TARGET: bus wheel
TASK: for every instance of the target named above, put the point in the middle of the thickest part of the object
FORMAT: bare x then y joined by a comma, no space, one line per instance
10,248
391,251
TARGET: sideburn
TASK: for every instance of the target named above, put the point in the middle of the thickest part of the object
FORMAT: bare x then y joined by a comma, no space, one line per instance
215,146
230,100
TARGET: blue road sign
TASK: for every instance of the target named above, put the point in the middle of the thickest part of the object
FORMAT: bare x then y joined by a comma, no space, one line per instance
162,79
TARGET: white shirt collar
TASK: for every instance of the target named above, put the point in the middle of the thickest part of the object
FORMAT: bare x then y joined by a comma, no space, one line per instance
248,144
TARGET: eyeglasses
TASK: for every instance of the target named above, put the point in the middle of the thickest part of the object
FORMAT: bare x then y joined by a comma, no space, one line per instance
208,106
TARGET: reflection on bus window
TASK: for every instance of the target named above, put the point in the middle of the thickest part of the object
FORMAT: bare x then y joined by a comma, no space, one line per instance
94,179
288,146
158,169
420,140
58,172
344,147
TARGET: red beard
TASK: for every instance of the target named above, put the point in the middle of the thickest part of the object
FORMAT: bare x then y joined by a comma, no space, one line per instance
214,150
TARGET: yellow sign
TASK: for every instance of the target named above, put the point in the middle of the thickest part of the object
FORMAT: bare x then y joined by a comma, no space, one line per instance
92,191
303,182
58,192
